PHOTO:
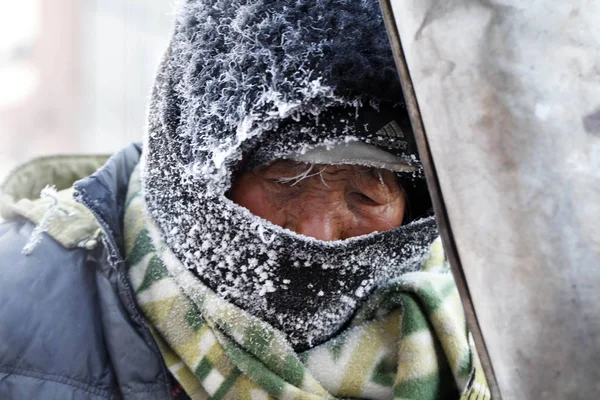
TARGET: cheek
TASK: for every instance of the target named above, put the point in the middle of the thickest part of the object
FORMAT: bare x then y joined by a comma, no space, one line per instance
252,193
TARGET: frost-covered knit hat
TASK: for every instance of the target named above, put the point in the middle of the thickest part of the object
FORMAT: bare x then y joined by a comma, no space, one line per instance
241,76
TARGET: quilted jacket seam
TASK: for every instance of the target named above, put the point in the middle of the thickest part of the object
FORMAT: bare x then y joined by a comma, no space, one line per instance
55,378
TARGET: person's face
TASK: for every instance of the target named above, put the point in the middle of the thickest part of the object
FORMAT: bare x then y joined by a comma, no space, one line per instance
328,203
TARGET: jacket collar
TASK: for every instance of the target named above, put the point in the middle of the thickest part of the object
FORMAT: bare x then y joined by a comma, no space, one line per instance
104,192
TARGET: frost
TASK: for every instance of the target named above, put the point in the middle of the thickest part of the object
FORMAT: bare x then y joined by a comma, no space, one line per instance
261,234
54,208
261,79
360,292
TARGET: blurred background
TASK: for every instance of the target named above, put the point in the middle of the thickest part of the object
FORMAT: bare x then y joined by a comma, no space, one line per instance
75,75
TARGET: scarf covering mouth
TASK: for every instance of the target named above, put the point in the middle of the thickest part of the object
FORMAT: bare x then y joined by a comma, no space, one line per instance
305,287
408,340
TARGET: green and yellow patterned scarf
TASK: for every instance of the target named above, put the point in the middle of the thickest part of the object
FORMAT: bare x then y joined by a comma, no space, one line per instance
409,340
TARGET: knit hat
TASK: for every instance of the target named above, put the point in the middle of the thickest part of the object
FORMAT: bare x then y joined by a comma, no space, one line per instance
274,78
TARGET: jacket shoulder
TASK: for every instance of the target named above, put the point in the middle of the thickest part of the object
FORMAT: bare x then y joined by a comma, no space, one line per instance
56,212
50,320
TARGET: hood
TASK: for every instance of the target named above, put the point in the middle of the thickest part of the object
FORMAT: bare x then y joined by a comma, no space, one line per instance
237,77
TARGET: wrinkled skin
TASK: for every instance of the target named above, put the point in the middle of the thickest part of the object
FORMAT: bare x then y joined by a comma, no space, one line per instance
332,202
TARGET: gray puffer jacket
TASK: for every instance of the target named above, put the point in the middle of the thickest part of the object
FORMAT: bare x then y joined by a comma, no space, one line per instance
69,325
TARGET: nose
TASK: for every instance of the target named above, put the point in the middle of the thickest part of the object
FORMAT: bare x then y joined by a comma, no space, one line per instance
321,227
323,219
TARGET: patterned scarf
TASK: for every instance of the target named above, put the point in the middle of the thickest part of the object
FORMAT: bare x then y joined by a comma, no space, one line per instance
409,340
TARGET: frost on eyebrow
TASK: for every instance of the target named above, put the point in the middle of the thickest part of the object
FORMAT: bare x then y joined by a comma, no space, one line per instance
300,176
302,171
380,177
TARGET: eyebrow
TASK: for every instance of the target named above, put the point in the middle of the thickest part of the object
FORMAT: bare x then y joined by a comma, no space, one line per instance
301,171
379,177
373,172
302,175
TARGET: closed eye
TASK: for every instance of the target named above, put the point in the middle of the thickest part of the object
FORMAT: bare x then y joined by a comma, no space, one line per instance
362,198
